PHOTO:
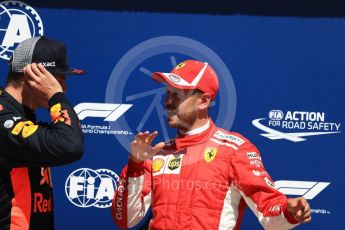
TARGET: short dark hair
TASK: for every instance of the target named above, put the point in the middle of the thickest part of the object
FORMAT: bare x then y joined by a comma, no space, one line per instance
14,78
197,91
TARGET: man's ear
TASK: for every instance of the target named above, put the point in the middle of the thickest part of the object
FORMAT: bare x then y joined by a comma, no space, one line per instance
26,86
205,101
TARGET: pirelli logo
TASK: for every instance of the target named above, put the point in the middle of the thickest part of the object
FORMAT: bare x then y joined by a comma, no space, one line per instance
228,137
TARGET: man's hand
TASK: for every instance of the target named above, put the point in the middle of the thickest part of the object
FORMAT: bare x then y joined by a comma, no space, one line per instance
40,80
299,209
141,148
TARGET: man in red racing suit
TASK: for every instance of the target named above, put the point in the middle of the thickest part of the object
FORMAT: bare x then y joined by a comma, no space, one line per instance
204,178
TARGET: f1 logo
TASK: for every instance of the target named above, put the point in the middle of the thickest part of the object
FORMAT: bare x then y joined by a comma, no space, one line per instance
307,189
111,112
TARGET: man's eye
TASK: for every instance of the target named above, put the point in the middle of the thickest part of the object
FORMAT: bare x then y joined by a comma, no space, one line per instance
172,93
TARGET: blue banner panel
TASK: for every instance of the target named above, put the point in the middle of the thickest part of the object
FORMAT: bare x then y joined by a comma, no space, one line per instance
281,85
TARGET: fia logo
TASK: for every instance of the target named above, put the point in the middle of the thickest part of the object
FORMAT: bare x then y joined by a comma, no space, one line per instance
87,187
276,115
18,22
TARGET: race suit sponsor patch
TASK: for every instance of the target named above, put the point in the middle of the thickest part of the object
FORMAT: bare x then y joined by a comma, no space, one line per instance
228,137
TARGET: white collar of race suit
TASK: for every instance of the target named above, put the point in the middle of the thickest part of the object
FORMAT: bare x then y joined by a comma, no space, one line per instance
197,130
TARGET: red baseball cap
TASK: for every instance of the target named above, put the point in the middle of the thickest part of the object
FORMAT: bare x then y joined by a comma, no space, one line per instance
191,74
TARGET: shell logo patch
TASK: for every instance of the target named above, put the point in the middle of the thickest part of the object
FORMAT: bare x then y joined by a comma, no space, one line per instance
210,154
157,165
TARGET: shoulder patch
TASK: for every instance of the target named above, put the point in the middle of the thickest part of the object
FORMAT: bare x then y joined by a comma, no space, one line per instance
230,138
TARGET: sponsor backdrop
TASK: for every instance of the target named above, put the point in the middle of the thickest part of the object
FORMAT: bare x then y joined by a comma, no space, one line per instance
281,86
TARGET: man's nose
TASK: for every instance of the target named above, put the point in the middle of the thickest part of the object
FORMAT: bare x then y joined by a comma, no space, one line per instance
167,101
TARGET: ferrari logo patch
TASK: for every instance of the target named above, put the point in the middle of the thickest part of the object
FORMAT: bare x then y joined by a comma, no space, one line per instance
210,154
179,66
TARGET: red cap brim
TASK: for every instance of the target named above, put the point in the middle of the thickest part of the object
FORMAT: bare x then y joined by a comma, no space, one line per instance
171,79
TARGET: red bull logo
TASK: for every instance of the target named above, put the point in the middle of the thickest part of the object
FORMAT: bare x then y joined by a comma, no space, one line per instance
46,178
41,204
